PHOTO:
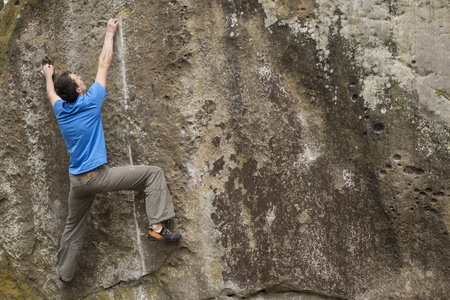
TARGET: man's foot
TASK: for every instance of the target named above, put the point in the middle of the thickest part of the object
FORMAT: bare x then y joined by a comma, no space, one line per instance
163,235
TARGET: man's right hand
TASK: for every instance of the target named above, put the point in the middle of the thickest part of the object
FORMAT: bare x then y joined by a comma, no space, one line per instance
111,27
106,55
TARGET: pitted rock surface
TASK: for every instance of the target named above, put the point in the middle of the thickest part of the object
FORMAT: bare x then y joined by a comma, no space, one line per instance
305,144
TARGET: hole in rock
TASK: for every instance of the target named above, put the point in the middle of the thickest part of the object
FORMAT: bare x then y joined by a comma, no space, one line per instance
388,166
433,200
355,97
353,80
216,141
413,62
397,157
383,172
378,127
438,194
413,171
428,190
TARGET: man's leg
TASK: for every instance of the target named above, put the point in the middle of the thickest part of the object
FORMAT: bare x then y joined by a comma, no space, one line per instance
158,203
79,205
151,180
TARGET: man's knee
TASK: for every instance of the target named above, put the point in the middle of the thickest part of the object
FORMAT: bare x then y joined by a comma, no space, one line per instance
159,177
158,171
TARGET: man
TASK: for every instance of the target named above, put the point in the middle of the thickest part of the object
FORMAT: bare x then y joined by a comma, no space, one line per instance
78,113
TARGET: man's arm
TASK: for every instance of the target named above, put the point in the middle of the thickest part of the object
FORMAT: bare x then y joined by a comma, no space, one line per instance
47,71
107,51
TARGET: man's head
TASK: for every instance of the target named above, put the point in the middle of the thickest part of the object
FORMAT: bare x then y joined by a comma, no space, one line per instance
68,86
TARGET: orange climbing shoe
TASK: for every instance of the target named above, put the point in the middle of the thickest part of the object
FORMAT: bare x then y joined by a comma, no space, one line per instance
163,235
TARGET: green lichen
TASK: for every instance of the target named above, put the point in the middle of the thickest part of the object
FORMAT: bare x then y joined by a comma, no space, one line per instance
11,287
8,19
124,12
442,94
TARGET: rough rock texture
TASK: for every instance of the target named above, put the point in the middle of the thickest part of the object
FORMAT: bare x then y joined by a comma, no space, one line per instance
306,145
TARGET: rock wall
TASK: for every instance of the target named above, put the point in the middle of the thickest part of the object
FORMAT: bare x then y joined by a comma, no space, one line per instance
305,144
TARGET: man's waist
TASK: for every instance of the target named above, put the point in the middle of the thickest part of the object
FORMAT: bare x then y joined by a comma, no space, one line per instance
92,170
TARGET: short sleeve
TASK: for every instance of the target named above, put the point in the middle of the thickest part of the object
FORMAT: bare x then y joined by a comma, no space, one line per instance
57,106
96,93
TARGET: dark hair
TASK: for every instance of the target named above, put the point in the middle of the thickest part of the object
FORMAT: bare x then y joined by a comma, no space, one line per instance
66,87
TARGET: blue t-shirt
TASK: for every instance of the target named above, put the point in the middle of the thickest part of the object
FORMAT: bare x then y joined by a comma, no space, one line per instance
81,126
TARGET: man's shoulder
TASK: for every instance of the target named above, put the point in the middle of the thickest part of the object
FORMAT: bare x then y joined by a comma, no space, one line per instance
96,91
59,102
58,105
97,86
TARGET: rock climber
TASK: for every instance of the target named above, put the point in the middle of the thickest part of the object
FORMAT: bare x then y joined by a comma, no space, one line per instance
78,112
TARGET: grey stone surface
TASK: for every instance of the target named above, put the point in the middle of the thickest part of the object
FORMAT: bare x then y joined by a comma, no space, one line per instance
305,144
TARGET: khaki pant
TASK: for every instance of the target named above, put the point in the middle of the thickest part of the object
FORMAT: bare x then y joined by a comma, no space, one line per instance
83,189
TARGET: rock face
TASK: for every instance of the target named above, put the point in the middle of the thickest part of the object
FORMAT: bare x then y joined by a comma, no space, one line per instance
305,144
